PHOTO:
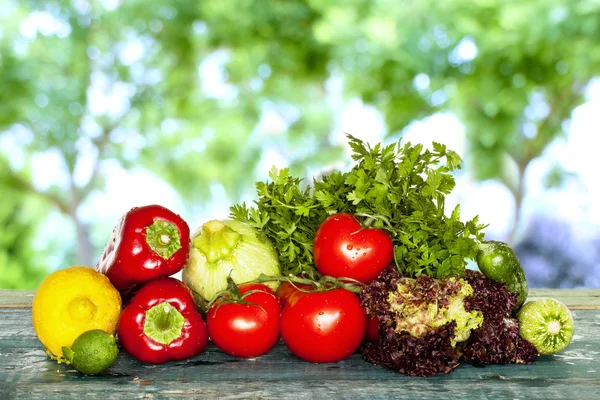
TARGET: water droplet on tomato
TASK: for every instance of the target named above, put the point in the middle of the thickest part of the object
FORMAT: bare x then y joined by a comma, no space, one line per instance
349,247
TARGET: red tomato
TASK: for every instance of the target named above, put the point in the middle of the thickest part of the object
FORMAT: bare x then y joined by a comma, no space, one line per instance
286,289
342,249
246,330
323,327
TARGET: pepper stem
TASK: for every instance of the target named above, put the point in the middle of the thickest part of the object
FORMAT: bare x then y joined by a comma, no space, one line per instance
163,323
164,319
163,238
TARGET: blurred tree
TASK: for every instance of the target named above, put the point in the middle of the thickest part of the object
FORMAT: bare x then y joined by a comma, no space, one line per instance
513,83
20,268
142,60
511,71
533,62
555,258
189,89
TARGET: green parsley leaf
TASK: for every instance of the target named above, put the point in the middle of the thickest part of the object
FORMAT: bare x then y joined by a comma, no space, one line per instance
402,186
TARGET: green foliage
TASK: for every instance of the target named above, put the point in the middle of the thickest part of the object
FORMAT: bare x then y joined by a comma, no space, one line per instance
528,65
402,188
520,89
14,86
279,34
524,55
20,266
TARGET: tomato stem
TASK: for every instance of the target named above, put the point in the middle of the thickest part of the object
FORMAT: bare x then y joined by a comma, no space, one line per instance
232,289
232,295
323,284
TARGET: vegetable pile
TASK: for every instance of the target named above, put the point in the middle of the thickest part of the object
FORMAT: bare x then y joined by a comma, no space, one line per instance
360,260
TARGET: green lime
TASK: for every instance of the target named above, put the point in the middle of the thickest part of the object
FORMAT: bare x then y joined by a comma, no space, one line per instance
92,352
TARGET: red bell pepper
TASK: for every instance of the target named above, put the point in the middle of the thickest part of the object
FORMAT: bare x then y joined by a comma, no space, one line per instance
161,323
149,242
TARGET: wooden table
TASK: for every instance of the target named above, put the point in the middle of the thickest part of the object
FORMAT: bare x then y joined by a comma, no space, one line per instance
27,373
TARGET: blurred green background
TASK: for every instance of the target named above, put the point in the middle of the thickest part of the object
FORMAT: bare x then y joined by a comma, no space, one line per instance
109,104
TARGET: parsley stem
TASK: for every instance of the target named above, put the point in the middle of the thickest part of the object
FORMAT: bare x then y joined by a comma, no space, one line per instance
270,196
386,221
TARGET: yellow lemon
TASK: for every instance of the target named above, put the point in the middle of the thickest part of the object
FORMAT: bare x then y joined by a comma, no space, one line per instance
72,301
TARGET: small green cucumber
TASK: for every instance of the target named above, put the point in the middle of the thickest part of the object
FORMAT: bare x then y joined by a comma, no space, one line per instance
498,262
547,324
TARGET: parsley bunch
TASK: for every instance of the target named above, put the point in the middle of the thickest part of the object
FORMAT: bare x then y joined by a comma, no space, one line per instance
399,188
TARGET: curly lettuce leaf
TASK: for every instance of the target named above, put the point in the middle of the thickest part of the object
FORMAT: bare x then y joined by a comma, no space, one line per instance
430,325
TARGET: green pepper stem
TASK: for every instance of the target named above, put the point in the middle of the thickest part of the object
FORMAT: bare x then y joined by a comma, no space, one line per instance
163,238
163,323
164,319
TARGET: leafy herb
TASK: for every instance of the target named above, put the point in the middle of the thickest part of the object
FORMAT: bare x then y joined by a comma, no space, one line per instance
400,188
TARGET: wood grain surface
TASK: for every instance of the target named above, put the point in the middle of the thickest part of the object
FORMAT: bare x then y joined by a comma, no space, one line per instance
27,373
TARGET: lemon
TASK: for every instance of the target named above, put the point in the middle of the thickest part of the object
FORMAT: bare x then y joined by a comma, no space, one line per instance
93,352
72,301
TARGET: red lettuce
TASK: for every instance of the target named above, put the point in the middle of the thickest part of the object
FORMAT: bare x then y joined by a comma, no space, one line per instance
411,356
403,352
496,341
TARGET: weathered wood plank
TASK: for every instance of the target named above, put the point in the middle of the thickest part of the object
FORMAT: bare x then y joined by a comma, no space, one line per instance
16,298
27,373
576,299
415,389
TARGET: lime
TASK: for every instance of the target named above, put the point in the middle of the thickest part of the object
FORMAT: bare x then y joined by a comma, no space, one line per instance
92,352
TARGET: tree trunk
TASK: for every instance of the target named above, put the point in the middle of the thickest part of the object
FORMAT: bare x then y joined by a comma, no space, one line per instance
84,251
518,193
84,254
